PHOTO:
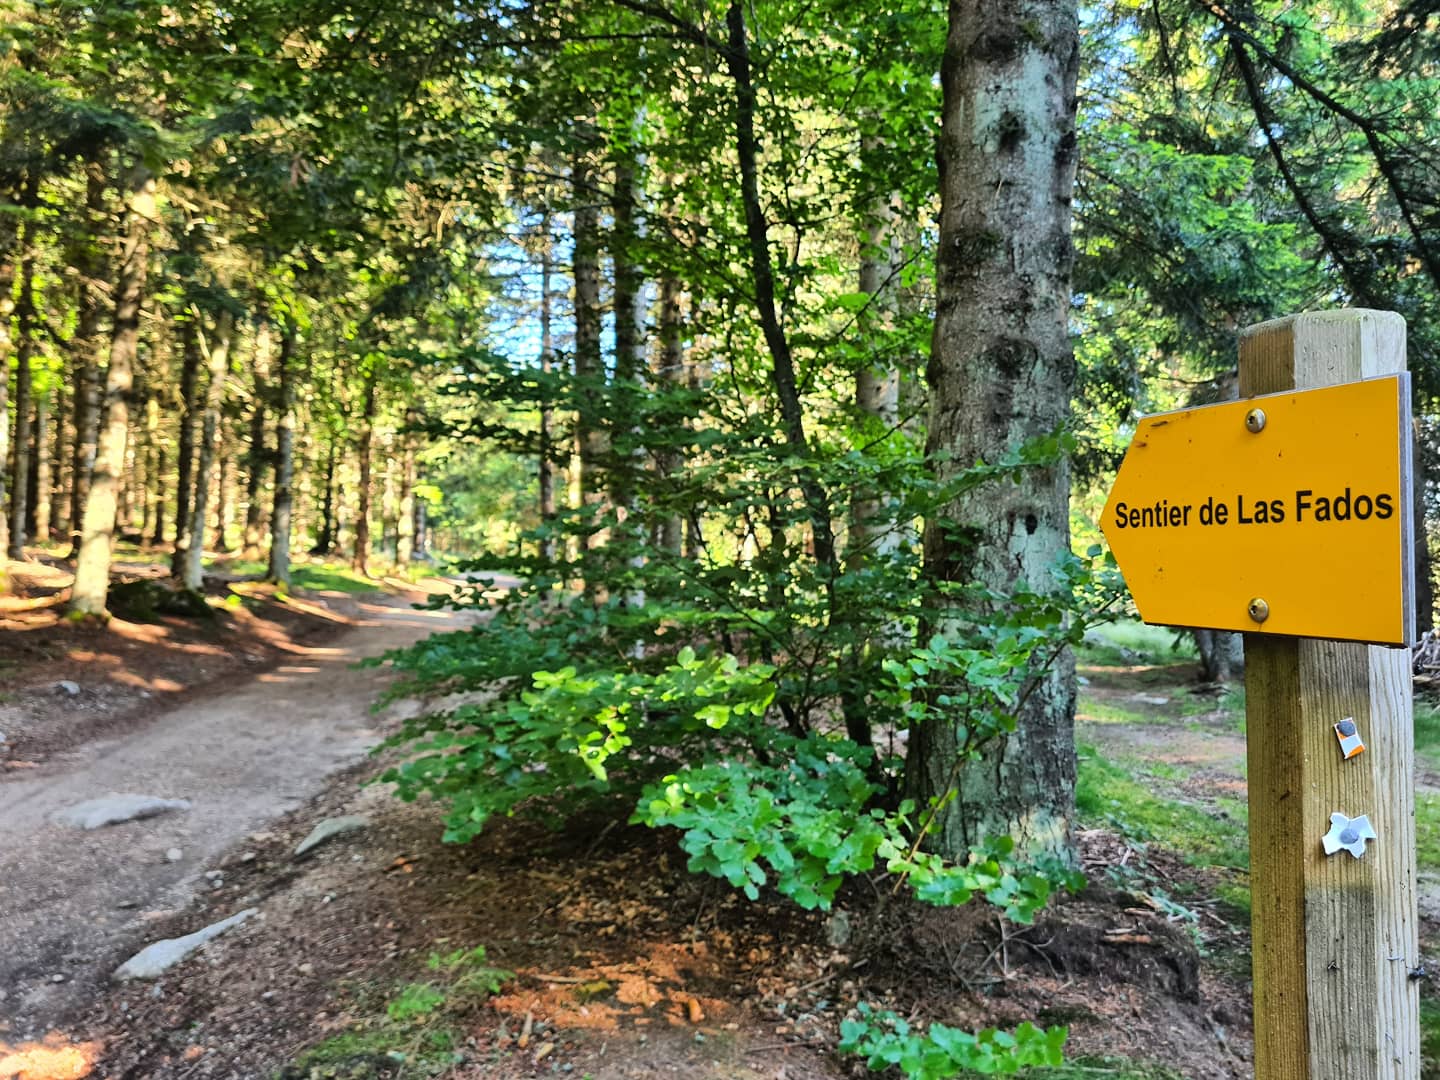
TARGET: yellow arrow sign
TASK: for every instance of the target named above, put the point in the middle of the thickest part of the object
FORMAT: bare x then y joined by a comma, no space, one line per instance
1283,514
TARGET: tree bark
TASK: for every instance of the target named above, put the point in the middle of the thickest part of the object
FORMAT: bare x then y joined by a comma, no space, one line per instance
672,378
258,459
190,410
97,533
405,505
90,265
546,475
1000,374
40,487
218,368
360,557
279,568
224,494
24,385
589,364
325,540
877,388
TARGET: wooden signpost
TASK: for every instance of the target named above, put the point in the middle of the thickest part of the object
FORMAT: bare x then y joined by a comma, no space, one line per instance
1329,722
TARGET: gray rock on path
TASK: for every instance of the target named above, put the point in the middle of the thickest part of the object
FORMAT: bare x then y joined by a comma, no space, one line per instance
154,960
65,686
330,827
113,809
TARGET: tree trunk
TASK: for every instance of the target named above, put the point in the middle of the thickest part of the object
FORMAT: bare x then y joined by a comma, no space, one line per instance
1000,373
279,568
589,364
190,410
546,478
218,368
668,461
325,540
90,265
40,496
24,381
877,387
97,533
224,494
405,509
258,460
360,557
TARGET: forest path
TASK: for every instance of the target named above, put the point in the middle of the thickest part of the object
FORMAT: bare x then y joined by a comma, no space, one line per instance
74,904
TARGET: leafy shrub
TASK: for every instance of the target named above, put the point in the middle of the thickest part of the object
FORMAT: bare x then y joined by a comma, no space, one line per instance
885,1039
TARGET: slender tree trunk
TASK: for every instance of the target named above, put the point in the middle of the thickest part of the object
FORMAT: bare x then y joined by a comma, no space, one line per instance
151,482
1000,374
218,367
24,381
589,364
279,570
325,540
92,567
405,508
224,494
40,500
877,386
546,476
258,460
672,378
191,408
360,558
762,270
87,343
630,331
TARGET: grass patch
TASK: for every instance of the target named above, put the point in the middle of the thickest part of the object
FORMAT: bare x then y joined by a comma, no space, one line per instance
1103,712
1427,831
1123,796
315,576
1129,642
1429,1036
420,1033
1427,729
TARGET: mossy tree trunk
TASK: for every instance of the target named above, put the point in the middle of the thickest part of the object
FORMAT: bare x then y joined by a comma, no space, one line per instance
1000,374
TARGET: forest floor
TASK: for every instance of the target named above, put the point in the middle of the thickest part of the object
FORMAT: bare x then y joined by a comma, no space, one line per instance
590,952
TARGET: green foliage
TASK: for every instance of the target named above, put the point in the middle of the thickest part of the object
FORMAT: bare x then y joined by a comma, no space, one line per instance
886,1040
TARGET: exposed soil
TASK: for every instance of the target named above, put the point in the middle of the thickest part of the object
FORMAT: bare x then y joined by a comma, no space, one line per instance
121,672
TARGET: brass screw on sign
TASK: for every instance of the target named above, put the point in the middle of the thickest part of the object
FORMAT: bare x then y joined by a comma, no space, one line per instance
1259,610
1255,421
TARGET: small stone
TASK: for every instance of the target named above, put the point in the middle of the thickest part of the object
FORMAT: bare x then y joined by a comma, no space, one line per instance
213,874
117,808
159,957
306,969
329,828
65,686
249,856
838,930
57,978
174,854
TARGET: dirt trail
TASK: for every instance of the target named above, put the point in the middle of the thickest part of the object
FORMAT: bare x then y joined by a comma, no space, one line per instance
75,904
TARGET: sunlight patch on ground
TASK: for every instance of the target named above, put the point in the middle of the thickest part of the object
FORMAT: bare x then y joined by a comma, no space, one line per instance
53,1059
